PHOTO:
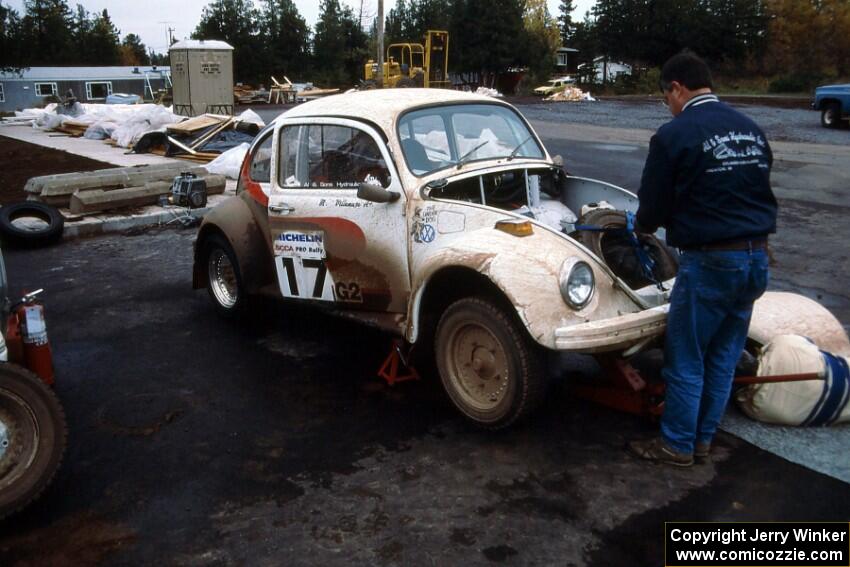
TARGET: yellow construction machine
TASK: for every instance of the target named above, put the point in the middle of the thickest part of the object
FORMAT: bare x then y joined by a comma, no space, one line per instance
413,64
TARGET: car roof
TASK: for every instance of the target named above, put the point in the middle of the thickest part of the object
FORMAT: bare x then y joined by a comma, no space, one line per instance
382,106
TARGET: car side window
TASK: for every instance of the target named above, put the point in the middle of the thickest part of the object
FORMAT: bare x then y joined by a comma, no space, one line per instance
330,157
261,162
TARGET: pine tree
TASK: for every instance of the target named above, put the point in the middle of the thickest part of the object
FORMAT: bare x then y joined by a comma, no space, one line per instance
236,22
285,40
340,46
133,51
103,41
46,28
12,54
565,20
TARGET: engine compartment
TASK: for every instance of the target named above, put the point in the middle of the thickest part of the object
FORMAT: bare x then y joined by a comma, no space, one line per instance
592,213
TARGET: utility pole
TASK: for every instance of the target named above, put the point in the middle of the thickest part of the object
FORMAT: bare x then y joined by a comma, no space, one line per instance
380,76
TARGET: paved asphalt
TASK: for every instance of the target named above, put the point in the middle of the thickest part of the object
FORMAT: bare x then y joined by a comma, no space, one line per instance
197,441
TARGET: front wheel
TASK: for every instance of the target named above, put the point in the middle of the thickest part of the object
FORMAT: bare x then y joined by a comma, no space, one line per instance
489,367
32,437
224,281
830,116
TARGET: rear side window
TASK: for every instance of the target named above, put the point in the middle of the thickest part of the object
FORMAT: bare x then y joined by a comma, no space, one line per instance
321,156
261,162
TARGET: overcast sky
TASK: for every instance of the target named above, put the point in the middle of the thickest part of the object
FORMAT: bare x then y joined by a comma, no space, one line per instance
150,18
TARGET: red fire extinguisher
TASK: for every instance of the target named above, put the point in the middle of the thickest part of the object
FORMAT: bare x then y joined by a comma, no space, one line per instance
26,337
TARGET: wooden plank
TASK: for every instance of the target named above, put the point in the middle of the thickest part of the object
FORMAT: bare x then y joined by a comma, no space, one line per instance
180,145
196,124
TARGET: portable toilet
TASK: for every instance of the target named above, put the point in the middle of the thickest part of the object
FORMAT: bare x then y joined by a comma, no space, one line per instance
202,77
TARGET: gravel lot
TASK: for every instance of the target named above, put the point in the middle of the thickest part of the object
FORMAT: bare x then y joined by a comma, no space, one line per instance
785,124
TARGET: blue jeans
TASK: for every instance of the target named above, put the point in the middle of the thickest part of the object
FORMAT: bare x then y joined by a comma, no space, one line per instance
710,309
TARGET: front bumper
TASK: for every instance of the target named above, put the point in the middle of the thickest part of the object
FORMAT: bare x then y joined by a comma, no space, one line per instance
616,333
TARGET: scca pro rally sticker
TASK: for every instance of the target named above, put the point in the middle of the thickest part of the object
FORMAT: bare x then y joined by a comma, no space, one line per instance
308,244
300,263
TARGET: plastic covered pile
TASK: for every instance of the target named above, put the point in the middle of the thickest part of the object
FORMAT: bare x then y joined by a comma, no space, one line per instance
488,92
123,123
571,94
229,162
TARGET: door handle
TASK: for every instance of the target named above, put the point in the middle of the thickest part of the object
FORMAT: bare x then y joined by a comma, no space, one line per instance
282,209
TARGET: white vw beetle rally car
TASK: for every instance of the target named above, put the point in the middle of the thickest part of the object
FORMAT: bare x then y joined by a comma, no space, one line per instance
440,216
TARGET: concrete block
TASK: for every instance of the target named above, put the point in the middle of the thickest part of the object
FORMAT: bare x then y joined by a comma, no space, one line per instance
98,200
95,200
68,183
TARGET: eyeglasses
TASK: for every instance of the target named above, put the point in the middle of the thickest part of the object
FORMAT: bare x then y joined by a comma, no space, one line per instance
665,88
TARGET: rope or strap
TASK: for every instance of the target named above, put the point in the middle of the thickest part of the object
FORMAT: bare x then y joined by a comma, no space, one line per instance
835,394
647,264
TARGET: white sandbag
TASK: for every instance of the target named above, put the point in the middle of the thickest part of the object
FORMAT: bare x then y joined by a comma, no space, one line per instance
230,162
811,402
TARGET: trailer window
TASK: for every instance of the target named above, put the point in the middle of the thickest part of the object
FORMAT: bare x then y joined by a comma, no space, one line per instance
98,91
45,89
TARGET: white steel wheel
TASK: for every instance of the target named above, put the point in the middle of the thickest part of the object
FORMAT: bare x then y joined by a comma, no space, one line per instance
488,366
223,279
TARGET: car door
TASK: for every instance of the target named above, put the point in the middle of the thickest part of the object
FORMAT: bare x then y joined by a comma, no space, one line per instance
328,244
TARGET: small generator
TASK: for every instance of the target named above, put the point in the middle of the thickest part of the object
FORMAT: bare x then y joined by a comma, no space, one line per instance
188,190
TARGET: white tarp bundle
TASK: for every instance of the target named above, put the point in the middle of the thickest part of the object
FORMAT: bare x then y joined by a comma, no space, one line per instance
230,162
124,123
488,92
810,402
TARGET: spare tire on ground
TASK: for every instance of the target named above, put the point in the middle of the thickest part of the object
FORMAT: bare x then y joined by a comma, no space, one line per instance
619,253
30,224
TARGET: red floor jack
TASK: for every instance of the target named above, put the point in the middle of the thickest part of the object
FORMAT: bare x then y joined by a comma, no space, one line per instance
628,391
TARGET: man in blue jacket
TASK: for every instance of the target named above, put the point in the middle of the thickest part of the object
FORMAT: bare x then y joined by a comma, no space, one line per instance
707,182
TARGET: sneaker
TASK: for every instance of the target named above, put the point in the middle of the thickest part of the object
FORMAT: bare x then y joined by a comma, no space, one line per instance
702,449
658,451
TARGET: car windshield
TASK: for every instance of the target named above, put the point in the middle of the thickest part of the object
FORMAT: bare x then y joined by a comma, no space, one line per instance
443,136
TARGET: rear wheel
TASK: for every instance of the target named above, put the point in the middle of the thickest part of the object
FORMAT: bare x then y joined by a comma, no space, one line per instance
32,437
830,116
489,367
224,280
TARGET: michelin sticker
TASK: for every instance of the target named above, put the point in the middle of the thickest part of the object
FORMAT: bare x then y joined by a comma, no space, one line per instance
301,269
307,244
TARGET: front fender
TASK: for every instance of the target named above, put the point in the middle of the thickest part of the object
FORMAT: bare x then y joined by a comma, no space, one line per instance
526,270
244,223
782,313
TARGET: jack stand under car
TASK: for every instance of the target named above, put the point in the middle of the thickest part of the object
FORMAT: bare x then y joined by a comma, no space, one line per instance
32,423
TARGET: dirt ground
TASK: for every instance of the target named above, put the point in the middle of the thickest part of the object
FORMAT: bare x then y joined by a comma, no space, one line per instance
24,160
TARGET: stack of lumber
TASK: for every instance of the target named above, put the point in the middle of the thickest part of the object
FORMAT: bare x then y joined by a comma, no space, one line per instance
316,93
187,139
73,128
246,94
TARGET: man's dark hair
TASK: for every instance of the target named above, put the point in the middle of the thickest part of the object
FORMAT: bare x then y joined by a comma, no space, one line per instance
688,69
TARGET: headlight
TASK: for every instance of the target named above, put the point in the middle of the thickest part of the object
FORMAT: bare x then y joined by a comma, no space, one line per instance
576,283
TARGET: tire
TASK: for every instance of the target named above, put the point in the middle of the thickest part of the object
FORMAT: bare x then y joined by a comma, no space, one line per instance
33,435
830,116
471,326
619,255
405,83
223,277
21,236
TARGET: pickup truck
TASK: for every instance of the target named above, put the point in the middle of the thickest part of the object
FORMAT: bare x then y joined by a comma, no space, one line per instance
834,103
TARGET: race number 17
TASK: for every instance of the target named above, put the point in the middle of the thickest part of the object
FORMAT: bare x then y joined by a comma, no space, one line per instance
304,278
